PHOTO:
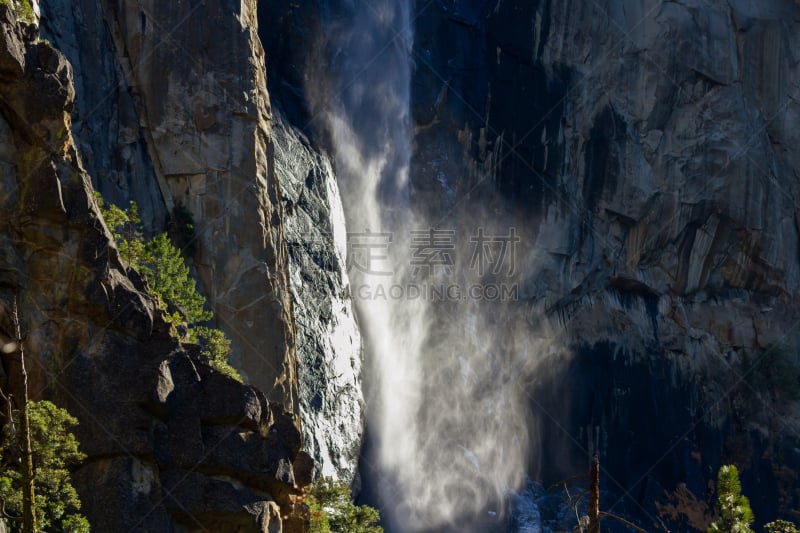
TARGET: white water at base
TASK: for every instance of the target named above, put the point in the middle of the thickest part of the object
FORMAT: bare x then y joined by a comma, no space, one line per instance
449,423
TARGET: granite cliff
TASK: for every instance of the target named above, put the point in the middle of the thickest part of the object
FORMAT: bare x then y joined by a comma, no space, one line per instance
172,109
188,128
649,152
644,151
171,444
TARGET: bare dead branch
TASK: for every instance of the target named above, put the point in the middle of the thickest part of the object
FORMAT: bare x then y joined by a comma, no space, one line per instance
569,479
622,521
574,506
28,498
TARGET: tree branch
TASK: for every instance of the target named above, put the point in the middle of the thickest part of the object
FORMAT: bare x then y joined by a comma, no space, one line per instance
4,514
622,521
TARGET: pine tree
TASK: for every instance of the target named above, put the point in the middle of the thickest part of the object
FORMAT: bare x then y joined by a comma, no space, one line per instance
170,280
735,515
54,450
126,228
332,510
215,346
780,526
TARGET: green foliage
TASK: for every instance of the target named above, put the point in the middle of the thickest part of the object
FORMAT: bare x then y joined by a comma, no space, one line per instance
332,510
23,9
735,515
126,227
169,278
216,347
162,263
55,449
780,526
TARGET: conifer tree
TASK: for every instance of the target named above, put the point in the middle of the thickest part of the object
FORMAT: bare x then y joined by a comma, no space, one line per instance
169,280
735,515
332,510
36,449
54,449
780,526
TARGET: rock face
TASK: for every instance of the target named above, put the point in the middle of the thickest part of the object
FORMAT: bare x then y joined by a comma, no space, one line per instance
171,444
187,121
328,339
644,151
647,150
106,118
172,108
646,170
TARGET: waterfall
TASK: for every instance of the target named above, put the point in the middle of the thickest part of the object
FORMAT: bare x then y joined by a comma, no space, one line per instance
448,424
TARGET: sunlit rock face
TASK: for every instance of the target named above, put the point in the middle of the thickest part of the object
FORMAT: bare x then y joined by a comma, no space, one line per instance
328,339
329,343
173,100
172,108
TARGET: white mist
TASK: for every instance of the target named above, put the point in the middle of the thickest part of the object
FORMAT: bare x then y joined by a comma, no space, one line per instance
444,404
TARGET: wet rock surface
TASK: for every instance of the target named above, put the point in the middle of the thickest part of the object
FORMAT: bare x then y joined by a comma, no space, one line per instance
328,339
329,344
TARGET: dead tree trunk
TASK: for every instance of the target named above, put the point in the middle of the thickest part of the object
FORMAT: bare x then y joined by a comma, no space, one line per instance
594,496
24,435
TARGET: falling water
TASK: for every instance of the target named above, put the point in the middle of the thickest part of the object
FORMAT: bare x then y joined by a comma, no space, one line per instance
449,424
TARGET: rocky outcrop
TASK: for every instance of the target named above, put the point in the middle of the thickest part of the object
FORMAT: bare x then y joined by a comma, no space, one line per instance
171,108
171,444
328,339
174,97
329,343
